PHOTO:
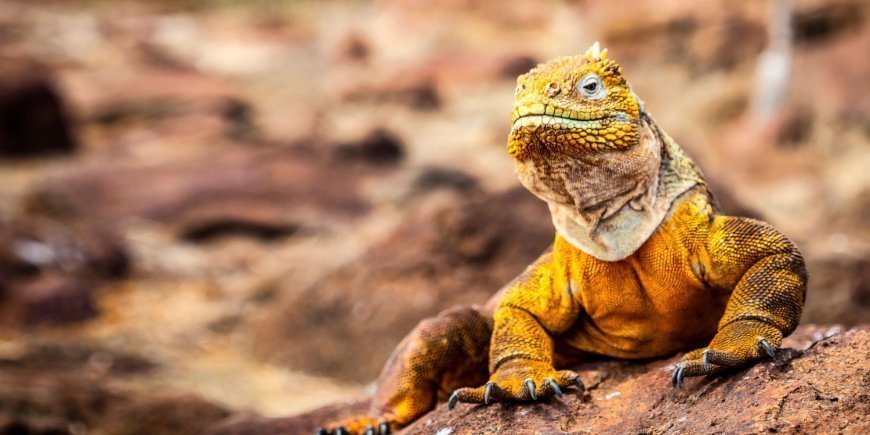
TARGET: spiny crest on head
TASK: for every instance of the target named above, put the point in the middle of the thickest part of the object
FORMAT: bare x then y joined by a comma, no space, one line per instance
596,53
598,61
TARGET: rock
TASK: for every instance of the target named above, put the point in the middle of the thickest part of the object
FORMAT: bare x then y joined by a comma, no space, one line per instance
516,64
33,120
819,384
354,47
59,356
814,22
239,118
35,246
181,414
418,85
702,39
34,402
378,147
419,92
435,177
218,220
53,300
303,425
452,249
250,190
49,271
840,289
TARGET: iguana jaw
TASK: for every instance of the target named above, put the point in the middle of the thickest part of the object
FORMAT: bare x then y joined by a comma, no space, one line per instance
538,128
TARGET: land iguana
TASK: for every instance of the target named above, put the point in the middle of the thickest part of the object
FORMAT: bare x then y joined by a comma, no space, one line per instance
643,264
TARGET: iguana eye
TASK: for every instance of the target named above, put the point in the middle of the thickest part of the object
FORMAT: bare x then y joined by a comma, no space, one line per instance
591,87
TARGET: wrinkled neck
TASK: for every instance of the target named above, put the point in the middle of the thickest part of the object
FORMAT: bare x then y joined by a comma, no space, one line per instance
608,204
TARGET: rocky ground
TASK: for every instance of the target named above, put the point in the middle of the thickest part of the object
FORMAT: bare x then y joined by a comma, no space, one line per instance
819,384
211,216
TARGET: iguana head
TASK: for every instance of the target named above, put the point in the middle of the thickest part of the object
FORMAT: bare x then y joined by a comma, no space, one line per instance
572,105
582,142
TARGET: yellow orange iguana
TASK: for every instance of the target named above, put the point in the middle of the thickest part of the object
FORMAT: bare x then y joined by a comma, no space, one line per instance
643,264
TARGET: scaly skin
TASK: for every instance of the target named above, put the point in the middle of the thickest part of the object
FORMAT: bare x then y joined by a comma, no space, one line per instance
728,287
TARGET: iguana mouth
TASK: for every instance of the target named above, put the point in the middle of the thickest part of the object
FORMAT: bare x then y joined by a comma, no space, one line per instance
523,110
566,122
557,122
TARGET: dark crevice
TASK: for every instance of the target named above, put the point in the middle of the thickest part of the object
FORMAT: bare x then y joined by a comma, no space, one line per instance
217,229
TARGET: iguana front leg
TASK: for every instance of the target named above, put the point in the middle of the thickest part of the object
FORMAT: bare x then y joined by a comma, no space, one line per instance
538,305
769,279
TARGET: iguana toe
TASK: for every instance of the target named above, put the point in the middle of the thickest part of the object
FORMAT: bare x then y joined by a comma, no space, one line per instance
553,386
530,386
451,402
579,384
487,393
677,379
764,344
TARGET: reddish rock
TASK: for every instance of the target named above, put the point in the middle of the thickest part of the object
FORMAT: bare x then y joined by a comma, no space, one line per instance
354,47
702,39
842,290
33,120
240,184
416,91
378,147
416,85
458,249
53,300
35,246
181,415
306,424
48,271
818,385
34,402
515,64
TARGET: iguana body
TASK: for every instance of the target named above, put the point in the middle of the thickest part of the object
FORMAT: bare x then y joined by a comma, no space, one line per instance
643,264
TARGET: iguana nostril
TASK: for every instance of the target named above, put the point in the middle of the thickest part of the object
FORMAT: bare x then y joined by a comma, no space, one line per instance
552,89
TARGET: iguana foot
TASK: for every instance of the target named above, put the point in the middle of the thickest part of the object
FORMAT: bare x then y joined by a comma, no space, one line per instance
519,381
737,344
362,425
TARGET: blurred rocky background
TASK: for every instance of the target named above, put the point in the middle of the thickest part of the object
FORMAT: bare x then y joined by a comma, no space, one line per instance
211,211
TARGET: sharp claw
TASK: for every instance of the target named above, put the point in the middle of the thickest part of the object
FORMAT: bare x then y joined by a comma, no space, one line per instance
383,429
322,431
705,362
530,385
451,402
767,348
340,431
370,430
682,377
554,386
678,377
487,393
579,383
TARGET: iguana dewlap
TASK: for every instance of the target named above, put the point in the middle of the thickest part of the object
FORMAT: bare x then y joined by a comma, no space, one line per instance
643,264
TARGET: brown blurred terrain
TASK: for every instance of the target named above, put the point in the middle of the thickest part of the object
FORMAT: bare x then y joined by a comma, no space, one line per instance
237,209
